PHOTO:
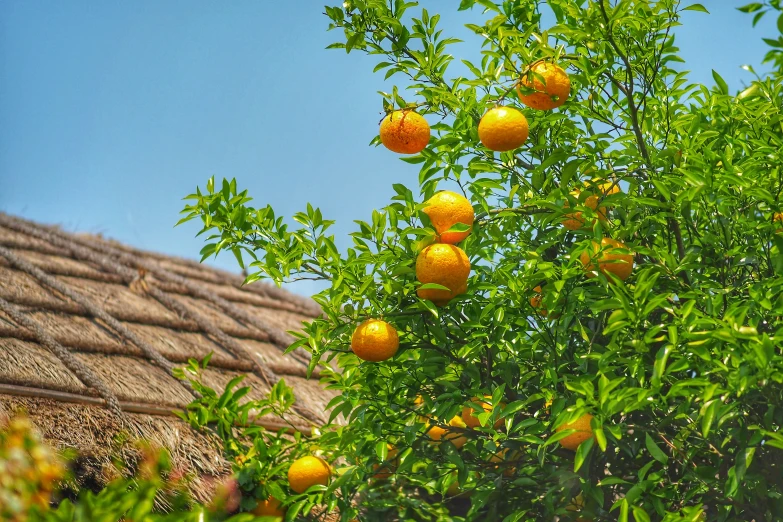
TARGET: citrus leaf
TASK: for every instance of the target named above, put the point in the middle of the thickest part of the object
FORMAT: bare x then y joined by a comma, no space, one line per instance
640,515
722,85
654,450
699,8
459,227
381,449
434,286
581,454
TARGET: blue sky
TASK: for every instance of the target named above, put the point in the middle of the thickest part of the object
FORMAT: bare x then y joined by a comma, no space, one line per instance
113,111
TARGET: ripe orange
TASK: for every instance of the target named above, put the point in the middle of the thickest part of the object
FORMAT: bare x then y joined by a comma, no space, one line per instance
405,132
535,301
269,508
437,433
574,220
609,260
417,403
502,129
445,265
551,93
584,432
375,340
501,457
308,471
778,217
445,209
386,468
471,421
454,488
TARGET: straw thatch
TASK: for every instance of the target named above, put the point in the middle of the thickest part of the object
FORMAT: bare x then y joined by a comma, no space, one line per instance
90,331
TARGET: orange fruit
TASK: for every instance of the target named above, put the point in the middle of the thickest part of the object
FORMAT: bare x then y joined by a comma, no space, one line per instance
502,129
417,404
584,432
386,468
550,93
375,340
501,457
445,209
472,421
418,401
445,265
269,508
455,489
405,132
308,471
438,433
535,301
609,261
574,220
778,217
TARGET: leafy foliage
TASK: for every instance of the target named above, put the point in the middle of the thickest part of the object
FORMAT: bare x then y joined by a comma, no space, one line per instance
260,456
34,481
29,471
33,477
680,365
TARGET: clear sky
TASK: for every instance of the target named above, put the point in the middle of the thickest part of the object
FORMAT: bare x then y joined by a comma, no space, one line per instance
111,112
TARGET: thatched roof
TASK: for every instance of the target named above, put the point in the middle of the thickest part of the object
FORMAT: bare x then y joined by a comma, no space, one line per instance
90,330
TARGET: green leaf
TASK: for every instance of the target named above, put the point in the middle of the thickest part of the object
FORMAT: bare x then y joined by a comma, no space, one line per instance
434,286
654,450
600,438
238,255
722,85
659,368
697,7
749,92
743,462
709,411
459,227
581,453
381,450
623,511
662,188
344,477
750,8
639,514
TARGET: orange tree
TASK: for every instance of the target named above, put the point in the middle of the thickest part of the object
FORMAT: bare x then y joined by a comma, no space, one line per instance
611,349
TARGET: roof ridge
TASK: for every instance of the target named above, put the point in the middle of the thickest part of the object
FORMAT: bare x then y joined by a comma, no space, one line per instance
263,288
122,262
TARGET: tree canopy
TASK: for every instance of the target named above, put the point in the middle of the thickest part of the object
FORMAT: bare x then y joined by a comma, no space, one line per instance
679,365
